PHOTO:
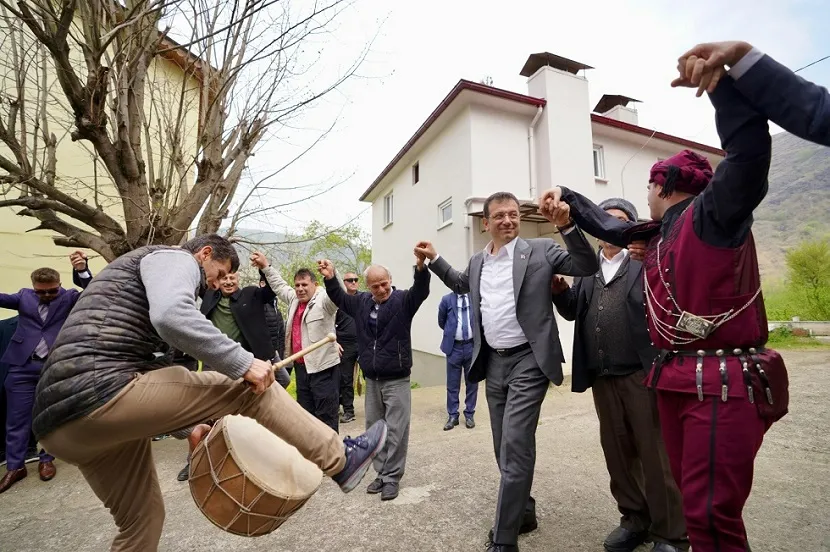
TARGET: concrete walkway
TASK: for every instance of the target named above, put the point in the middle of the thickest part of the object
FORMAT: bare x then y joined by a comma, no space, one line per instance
448,495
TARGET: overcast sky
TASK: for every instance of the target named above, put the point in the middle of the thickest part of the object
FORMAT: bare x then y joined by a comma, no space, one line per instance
426,46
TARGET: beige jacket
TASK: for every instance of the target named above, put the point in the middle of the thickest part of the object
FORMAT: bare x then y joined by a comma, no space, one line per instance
317,322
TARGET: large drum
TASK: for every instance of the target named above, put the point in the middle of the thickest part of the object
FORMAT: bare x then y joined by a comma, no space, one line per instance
248,481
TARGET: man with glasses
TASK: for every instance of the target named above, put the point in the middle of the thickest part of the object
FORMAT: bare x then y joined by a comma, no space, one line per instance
515,342
347,340
42,311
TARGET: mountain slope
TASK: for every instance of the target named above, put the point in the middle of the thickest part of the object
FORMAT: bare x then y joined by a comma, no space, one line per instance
797,206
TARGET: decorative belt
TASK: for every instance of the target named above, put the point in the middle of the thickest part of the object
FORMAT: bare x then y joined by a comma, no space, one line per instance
511,350
745,356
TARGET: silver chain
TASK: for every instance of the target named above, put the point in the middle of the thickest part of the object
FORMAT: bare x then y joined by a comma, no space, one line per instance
668,331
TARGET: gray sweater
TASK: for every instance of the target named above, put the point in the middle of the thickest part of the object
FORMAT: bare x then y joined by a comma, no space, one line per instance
172,278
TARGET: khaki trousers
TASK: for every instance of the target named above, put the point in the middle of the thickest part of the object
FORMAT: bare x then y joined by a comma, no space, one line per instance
111,446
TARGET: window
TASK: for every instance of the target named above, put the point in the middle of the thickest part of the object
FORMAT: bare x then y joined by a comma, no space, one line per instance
445,213
388,209
416,173
599,162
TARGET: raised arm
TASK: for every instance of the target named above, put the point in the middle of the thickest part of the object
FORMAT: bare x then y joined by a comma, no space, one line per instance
282,290
171,278
459,282
723,217
589,217
335,291
578,260
419,291
81,275
9,300
799,106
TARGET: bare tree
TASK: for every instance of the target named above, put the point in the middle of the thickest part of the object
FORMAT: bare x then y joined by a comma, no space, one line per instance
166,100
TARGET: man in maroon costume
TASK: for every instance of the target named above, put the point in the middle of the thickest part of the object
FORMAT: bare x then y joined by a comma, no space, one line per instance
718,388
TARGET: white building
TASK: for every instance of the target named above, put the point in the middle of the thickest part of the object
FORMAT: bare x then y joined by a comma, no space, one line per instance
481,140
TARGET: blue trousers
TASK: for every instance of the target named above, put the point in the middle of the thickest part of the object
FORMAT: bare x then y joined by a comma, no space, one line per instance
457,363
20,385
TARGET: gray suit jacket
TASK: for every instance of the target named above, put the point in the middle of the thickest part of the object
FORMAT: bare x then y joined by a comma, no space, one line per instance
535,262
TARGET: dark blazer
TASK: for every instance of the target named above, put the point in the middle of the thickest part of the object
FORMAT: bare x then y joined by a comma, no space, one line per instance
795,104
248,309
573,305
30,327
448,321
276,327
535,262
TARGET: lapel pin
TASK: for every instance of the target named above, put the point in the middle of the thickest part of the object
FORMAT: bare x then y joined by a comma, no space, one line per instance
522,256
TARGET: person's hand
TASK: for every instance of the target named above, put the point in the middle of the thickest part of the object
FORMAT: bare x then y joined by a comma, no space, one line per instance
425,249
637,250
420,261
326,268
703,66
560,216
260,376
339,349
196,435
558,285
78,260
259,260
549,201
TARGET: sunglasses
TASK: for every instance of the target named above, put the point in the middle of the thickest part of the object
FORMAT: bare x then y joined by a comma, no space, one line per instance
350,280
53,291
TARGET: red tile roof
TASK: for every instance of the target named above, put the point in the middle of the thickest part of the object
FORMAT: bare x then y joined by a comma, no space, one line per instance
658,135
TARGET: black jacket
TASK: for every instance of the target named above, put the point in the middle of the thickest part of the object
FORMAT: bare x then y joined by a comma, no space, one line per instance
573,305
276,328
248,309
387,353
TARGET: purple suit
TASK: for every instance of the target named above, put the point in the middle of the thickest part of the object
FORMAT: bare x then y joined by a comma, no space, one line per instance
24,366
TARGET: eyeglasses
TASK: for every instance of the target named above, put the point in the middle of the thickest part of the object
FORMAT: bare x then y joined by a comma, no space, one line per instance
498,217
52,291
350,280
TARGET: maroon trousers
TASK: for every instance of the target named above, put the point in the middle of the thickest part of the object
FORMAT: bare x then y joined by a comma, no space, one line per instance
712,446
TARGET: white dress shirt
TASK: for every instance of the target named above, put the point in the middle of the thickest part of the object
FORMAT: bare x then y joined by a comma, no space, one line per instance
611,266
459,329
498,305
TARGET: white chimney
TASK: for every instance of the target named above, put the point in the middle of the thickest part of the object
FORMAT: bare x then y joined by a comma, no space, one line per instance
563,136
616,107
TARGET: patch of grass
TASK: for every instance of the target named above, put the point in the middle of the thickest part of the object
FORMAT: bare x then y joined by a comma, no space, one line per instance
292,387
414,385
783,338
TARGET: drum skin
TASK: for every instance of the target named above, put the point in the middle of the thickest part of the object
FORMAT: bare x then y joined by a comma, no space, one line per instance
248,481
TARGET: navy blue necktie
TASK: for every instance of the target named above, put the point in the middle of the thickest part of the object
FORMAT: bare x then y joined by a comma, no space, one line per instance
465,327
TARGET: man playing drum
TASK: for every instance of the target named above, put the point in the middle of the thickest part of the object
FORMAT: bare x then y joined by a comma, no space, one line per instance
108,387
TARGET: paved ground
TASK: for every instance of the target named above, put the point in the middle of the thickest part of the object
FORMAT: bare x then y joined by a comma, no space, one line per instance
448,497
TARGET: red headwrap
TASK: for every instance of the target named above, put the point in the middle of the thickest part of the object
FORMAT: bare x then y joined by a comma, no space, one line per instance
685,172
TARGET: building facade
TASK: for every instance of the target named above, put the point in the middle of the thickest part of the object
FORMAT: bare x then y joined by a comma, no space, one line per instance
481,140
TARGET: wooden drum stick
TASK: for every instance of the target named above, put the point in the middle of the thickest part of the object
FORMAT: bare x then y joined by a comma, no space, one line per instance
303,352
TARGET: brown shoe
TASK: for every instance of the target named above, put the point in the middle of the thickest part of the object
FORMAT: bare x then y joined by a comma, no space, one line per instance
47,471
12,477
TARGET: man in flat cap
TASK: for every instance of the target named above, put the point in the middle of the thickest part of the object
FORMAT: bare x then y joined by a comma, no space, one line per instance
612,355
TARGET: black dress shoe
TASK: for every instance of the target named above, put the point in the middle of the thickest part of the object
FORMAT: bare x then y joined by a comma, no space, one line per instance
451,423
470,422
623,540
666,547
528,524
493,547
375,486
184,475
390,491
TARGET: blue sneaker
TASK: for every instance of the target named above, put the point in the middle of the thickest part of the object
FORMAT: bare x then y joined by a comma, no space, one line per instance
360,452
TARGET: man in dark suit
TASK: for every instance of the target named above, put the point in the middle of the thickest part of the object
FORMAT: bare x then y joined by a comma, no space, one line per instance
42,311
612,355
457,344
774,91
515,342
